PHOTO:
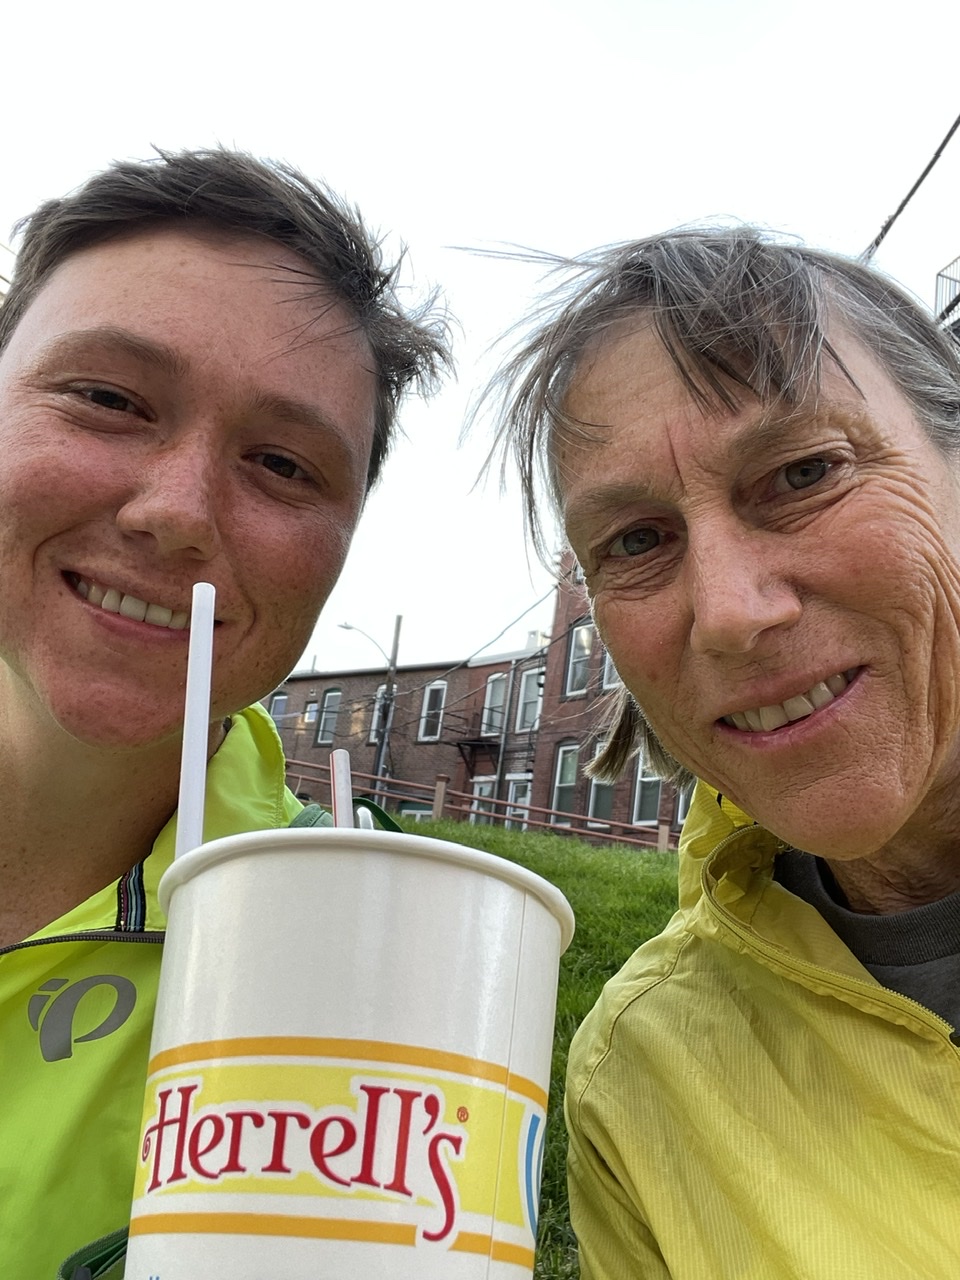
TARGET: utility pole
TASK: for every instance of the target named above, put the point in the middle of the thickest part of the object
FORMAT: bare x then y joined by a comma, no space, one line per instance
386,710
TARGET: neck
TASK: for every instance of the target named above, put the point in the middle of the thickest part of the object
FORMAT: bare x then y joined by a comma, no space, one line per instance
76,817
920,864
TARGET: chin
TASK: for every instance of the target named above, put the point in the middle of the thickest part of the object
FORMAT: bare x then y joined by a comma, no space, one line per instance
125,729
838,833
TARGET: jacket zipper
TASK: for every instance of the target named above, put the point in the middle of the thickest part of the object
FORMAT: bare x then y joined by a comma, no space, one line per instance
90,935
777,959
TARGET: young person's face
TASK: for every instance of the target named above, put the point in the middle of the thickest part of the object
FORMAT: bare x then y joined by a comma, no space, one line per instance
175,407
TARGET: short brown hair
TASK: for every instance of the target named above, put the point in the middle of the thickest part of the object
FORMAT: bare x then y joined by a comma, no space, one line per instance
240,194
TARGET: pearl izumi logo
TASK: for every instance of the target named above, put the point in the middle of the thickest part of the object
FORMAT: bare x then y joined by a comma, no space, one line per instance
65,1013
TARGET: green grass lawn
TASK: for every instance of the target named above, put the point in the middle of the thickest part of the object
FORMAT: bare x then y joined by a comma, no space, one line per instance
620,898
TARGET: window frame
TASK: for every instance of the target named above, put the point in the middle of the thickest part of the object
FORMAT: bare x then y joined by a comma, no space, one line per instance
537,674
610,679
482,787
577,664
283,700
320,738
598,791
373,737
494,711
644,778
427,691
564,751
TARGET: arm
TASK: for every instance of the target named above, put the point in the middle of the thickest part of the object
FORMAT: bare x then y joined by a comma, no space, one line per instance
615,1241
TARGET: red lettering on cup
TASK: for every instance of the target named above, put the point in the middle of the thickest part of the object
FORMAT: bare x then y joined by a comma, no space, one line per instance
277,1158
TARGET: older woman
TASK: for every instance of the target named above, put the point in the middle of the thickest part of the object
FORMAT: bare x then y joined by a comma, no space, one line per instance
753,447
201,360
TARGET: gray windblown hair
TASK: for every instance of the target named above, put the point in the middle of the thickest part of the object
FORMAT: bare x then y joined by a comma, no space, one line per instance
740,316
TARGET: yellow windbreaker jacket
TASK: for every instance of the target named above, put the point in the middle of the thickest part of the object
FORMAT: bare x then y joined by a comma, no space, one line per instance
76,1012
746,1101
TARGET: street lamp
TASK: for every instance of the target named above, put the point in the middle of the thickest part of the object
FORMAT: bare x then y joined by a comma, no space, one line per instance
386,704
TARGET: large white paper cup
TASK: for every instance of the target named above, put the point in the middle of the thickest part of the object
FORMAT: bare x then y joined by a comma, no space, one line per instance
350,1062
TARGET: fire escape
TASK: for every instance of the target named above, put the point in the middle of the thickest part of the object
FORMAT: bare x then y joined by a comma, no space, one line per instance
947,305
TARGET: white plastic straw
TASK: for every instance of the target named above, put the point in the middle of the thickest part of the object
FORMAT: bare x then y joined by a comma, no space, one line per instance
196,720
341,789
364,818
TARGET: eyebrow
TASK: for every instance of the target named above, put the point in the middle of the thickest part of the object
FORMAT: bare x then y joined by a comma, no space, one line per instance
78,343
297,412
170,362
765,431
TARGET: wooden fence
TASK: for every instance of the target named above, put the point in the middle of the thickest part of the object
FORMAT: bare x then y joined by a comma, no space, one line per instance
306,778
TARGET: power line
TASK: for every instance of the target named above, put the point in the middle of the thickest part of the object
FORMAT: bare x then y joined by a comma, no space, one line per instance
875,244
486,645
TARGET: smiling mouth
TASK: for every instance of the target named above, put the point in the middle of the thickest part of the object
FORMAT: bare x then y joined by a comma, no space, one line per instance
775,716
111,600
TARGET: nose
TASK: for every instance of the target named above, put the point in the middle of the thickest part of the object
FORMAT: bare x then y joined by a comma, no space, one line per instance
739,589
174,502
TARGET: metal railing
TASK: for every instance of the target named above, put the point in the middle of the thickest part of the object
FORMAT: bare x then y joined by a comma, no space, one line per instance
306,778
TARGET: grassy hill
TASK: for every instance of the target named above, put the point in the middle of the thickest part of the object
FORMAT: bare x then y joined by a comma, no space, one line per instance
620,898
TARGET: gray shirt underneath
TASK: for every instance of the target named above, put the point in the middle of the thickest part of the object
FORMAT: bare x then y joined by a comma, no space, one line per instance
916,952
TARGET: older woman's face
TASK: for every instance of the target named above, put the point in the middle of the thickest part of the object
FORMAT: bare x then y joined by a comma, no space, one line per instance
780,593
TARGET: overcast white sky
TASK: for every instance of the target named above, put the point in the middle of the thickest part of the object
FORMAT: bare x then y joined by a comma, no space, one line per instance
554,124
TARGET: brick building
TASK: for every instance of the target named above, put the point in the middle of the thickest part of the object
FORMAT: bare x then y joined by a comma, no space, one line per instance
580,679
471,721
511,731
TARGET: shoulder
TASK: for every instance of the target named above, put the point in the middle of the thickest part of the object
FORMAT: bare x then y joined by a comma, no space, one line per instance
652,1019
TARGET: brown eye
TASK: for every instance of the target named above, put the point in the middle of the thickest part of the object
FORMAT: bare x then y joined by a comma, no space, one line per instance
806,472
104,398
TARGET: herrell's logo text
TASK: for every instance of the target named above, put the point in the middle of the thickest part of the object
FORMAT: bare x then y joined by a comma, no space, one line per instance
391,1140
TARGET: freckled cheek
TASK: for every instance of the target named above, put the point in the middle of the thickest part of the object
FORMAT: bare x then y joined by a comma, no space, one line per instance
644,652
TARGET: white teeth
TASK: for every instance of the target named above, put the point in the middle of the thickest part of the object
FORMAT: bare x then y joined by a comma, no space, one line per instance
798,707
773,718
158,615
131,607
801,705
820,695
114,601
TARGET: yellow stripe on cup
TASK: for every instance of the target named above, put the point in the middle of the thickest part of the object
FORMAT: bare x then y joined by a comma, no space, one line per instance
498,1250
285,1225
273,1224
354,1050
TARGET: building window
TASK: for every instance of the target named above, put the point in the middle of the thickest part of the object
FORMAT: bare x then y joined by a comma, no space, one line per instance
310,713
518,799
327,726
377,718
683,803
431,713
529,700
565,783
278,706
578,658
611,680
646,800
482,806
600,807
491,723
